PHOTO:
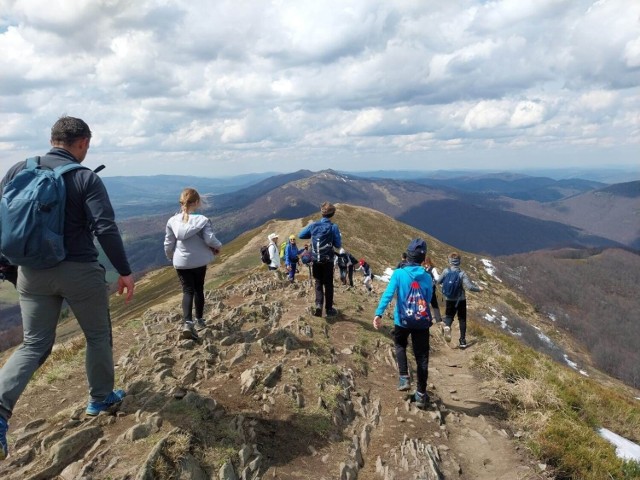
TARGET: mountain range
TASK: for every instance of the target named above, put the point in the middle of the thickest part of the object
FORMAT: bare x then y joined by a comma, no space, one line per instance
498,215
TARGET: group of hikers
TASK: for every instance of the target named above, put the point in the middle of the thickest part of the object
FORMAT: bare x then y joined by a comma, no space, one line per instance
60,263
412,285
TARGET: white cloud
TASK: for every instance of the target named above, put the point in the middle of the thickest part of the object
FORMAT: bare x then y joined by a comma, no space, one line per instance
527,114
486,114
353,84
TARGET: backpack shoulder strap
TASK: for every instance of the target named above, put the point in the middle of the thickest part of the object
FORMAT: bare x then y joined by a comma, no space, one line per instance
61,170
32,163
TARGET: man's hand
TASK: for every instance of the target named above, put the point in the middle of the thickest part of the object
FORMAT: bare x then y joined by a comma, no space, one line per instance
377,322
128,284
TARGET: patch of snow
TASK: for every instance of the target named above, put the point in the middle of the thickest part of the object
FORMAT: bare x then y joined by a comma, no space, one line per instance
552,317
489,268
386,276
624,448
582,372
489,318
573,365
545,339
502,320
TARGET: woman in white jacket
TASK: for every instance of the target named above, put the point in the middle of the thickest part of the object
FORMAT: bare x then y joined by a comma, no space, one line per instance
191,244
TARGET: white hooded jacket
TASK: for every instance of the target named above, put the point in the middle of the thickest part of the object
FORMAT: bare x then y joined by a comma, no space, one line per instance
189,244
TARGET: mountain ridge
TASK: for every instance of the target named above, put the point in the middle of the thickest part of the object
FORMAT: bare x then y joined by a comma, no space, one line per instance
272,391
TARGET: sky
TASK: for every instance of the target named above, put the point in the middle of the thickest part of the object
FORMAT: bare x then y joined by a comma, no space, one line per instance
219,88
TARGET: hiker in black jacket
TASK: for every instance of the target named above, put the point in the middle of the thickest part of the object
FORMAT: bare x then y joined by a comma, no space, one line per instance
351,263
341,261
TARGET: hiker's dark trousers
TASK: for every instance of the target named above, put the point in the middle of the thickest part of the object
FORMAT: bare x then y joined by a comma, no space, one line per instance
323,275
458,307
420,344
192,281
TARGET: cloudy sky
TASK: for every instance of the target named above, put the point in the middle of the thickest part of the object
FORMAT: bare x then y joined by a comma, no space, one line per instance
216,88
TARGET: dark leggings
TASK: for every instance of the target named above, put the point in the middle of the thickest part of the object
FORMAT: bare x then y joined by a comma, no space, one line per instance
434,299
459,307
192,280
420,344
323,275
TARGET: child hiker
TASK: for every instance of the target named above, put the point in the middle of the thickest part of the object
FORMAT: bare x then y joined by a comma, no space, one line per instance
190,244
413,287
454,281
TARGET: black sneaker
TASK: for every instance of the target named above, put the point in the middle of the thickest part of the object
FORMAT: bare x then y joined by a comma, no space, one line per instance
332,312
462,343
317,312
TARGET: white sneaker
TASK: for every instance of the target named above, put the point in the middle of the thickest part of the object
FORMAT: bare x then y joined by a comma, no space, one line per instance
447,333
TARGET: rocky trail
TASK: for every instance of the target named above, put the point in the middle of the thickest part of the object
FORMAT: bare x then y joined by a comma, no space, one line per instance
268,391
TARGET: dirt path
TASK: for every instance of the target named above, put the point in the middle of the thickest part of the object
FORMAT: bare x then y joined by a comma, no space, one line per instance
472,435
465,431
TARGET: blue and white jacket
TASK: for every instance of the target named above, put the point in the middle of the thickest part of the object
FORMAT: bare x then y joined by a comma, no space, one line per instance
399,286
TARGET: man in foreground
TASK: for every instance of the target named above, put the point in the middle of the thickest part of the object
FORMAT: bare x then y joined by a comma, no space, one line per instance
78,278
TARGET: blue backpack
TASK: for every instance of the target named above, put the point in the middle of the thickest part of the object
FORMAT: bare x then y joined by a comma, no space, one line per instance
452,285
322,242
414,310
32,215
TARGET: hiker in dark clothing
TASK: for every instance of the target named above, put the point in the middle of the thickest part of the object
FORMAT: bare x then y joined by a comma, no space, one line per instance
351,263
78,279
456,302
325,236
341,261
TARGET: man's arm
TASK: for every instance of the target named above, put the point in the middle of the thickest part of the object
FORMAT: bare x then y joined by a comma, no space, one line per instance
306,231
337,237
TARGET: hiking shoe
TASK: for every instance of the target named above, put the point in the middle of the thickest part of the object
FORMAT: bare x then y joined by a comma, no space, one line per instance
404,383
421,399
446,331
462,343
332,312
318,311
188,331
4,448
113,399
200,324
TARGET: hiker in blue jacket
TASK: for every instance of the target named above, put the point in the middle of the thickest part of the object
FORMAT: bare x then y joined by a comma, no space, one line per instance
325,236
455,299
412,286
291,257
